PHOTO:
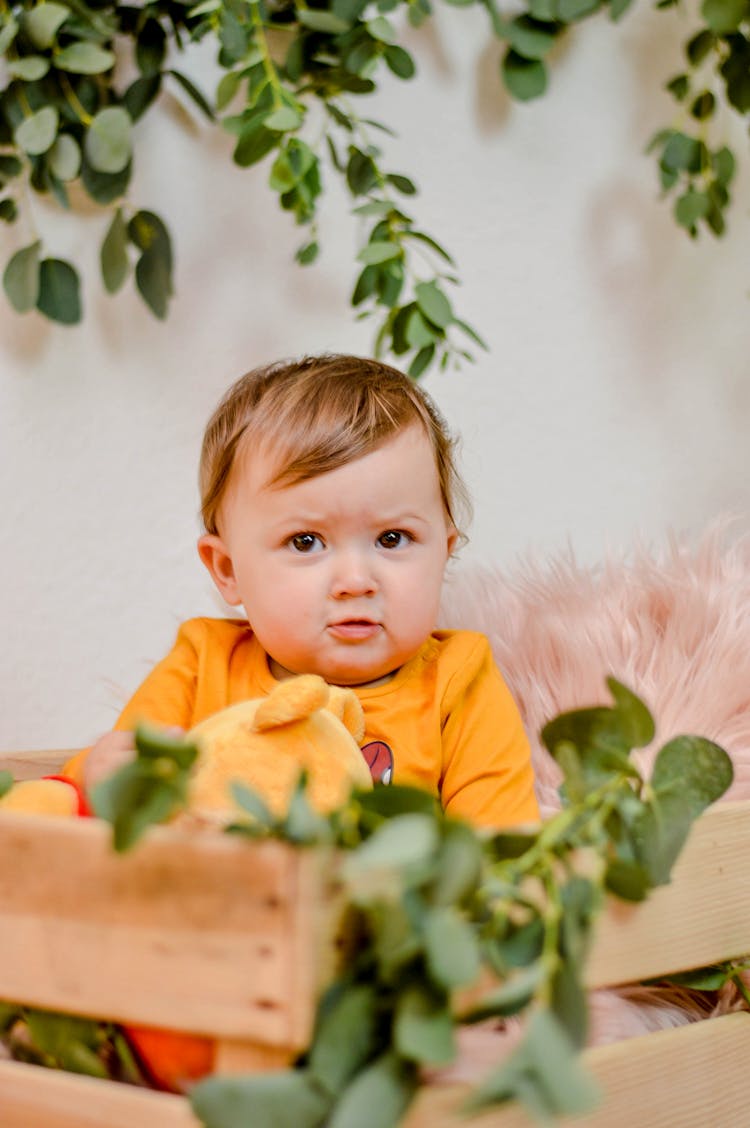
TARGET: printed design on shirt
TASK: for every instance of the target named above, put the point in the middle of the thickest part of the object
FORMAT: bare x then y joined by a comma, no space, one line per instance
379,760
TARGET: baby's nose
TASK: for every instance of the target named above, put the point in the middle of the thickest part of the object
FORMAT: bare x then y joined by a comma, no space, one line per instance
352,576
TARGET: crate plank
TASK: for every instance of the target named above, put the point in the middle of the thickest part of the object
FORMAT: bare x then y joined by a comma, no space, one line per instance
692,1077
701,917
32,1097
32,765
195,930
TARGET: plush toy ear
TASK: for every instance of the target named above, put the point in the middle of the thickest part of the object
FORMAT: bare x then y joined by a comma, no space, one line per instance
345,705
291,700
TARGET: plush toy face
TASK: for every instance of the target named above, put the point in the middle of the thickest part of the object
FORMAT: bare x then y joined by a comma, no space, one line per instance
265,742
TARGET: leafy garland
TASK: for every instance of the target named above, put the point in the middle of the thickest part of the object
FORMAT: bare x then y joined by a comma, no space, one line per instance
433,905
293,73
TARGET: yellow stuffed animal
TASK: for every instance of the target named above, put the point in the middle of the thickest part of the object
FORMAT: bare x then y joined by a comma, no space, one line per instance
265,742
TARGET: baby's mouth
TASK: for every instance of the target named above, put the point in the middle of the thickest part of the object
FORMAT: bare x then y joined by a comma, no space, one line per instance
354,630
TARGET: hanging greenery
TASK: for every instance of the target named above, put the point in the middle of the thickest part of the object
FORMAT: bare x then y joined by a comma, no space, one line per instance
292,77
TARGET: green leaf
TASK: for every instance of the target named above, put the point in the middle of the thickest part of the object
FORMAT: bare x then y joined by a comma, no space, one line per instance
381,29
227,88
421,362
105,187
115,264
459,865
193,93
628,880
141,94
433,304
308,253
399,61
451,948
361,172
423,1027
283,120
723,164
531,38
402,844
679,87
401,183
287,1099
108,143
377,1098
571,10
633,717
344,1038
618,8
254,143
695,770
524,78
8,33
322,21
30,68
723,16
690,207
133,799
513,996
65,157
43,22
36,133
699,46
418,333
379,251
59,292
21,278
703,106
6,782
83,58
9,167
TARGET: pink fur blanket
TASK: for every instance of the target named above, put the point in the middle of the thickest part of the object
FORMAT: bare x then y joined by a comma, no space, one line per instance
673,624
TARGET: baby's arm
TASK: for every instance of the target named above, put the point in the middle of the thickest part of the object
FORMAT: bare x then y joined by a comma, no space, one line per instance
109,753
487,772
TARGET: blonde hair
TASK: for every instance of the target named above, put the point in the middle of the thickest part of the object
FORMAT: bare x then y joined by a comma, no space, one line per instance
317,414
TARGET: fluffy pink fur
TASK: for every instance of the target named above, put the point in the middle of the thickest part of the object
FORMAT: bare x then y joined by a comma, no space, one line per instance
673,624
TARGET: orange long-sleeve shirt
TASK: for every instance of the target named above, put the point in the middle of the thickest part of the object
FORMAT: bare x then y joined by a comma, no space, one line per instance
446,721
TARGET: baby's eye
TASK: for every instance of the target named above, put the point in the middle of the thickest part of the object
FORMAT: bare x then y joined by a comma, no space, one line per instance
305,542
394,538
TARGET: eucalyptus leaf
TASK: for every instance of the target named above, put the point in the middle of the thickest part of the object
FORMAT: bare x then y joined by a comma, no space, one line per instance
36,133
379,251
377,1097
43,22
287,1099
724,16
6,782
84,58
21,278
8,32
423,1027
115,263
344,1038
524,78
451,948
531,37
108,141
433,304
59,292
196,95
65,157
30,68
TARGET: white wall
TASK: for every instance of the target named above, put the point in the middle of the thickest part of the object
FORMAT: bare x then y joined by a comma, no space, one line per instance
614,402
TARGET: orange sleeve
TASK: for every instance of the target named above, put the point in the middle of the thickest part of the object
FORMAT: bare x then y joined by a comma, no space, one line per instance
487,773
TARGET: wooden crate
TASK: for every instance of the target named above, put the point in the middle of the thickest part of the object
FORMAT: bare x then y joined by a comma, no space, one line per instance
234,939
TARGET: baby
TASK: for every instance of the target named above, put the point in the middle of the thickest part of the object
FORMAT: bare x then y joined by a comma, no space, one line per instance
330,504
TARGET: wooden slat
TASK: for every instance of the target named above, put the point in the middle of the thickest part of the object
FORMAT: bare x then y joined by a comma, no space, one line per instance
32,1097
701,917
691,1077
197,931
32,765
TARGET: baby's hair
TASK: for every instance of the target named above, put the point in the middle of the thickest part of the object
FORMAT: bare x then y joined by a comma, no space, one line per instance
317,414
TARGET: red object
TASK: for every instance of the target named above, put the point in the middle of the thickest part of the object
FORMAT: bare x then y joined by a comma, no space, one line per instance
83,809
172,1061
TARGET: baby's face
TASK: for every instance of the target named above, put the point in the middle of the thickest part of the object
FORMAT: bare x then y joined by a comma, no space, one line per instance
339,575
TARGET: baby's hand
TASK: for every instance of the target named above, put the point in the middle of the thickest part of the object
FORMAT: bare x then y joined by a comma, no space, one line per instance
110,752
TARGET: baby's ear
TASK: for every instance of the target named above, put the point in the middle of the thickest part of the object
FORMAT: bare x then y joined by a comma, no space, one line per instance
214,554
